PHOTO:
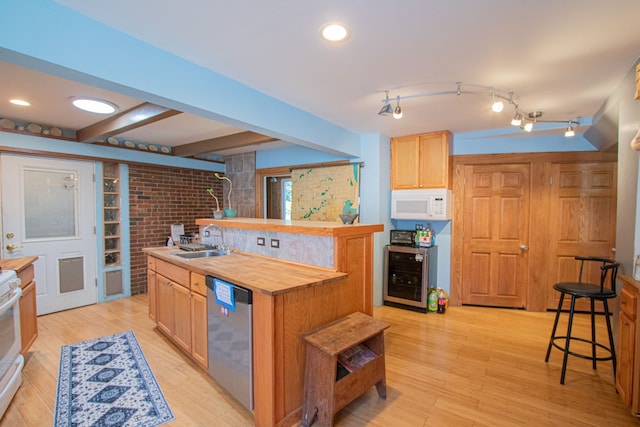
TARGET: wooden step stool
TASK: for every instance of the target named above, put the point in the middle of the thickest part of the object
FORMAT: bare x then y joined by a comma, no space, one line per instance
323,394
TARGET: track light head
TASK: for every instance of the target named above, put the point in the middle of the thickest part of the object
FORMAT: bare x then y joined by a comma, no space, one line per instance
397,113
386,107
569,132
517,119
496,105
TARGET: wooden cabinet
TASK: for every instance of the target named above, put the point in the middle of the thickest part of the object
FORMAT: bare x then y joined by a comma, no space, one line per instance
199,331
178,305
28,313
182,317
165,312
628,368
421,161
152,293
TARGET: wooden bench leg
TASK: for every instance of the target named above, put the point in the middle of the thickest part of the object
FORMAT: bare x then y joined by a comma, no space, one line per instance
381,387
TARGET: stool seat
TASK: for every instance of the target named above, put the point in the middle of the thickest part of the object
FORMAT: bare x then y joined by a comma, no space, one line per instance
595,292
584,290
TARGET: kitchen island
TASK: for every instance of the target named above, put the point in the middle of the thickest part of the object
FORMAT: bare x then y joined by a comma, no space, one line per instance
289,297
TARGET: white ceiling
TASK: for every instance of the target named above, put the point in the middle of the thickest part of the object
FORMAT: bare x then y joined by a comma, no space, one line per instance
560,57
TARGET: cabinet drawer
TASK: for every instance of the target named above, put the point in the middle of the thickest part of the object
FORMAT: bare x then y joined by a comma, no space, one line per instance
198,284
629,301
26,276
151,263
173,272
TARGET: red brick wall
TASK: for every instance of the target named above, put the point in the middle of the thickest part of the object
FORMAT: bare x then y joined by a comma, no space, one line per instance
158,197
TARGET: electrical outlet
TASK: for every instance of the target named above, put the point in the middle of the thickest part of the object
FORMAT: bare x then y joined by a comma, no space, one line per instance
275,243
260,241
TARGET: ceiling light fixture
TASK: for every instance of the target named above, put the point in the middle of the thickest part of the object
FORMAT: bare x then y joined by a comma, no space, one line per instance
397,113
519,119
496,105
569,132
334,32
386,107
20,102
94,105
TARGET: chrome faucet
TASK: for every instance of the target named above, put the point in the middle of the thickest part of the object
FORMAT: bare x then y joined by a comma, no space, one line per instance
209,235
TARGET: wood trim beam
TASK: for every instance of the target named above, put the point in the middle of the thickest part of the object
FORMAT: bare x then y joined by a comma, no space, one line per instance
125,121
237,140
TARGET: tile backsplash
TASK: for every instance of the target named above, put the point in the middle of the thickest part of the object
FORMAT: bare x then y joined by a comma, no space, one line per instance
311,250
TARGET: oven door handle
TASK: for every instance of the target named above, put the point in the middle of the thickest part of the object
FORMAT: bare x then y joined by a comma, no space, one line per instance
14,296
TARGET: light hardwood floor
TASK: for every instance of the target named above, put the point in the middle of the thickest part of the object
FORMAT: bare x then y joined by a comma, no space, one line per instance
469,367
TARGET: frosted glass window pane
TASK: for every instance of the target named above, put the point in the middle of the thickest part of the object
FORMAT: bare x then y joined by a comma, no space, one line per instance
49,204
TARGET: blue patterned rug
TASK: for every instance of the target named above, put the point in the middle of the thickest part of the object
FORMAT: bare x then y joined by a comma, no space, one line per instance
107,381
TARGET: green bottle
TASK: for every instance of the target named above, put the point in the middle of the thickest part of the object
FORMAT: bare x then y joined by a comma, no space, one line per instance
432,301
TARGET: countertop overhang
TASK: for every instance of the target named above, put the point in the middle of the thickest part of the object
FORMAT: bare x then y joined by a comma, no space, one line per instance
257,273
314,228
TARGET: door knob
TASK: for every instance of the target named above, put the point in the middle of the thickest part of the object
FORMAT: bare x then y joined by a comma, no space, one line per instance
524,247
11,247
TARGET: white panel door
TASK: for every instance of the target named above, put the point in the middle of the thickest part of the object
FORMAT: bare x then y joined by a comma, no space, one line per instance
48,211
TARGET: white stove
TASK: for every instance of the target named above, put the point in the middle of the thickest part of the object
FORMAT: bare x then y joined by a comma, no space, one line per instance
11,361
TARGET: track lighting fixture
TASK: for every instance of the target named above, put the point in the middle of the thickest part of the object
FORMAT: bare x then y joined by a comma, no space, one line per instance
496,105
397,113
386,108
525,121
569,132
517,119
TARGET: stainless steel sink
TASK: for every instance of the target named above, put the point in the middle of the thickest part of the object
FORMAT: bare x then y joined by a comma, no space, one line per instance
199,254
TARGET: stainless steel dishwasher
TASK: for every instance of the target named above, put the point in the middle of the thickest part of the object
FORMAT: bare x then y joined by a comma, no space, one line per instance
229,314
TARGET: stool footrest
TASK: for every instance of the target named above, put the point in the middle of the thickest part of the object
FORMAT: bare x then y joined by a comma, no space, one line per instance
583,356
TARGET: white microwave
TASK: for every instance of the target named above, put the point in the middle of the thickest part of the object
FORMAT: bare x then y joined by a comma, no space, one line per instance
434,204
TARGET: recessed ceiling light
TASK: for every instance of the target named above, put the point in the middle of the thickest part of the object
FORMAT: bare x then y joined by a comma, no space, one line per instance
94,105
335,32
20,102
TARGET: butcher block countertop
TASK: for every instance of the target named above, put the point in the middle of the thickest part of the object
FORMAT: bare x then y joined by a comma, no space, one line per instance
314,228
260,274
17,264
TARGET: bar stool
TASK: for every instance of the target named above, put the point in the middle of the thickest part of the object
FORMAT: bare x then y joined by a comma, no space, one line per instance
595,292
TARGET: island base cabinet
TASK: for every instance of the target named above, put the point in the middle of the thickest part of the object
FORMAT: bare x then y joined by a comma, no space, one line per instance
179,308
628,361
199,326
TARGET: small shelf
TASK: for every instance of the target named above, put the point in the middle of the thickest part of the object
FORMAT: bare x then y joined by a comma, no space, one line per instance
324,396
111,214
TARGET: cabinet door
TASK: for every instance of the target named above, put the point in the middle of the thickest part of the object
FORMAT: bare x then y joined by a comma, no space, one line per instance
152,294
182,313
199,341
405,163
165,305
626,345
28,316
435,168
624,371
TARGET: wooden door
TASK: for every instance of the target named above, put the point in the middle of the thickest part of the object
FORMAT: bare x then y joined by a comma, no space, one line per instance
405,163
582,221
495,260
